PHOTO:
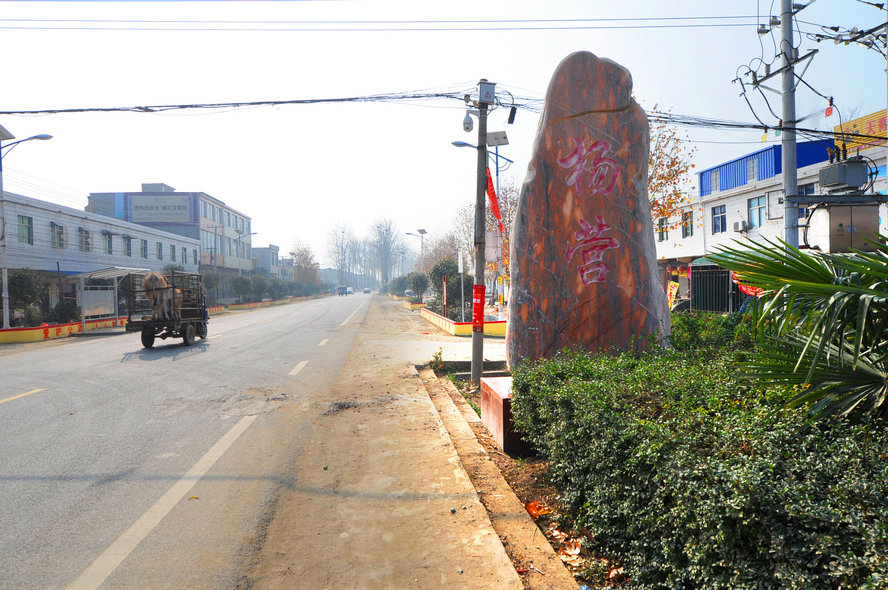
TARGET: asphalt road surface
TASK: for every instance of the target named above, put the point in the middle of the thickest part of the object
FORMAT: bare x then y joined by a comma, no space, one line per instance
122,464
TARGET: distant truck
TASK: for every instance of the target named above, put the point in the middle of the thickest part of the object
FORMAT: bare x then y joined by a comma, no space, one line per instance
165,306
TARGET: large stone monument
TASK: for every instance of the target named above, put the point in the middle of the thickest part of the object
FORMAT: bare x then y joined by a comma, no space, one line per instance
583,261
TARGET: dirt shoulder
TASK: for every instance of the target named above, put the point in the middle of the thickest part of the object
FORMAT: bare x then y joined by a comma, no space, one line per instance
380,498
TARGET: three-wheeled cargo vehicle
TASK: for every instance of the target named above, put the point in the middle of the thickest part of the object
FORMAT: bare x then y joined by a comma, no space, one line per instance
165,306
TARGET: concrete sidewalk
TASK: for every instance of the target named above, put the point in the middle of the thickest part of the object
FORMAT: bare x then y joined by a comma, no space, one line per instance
381,499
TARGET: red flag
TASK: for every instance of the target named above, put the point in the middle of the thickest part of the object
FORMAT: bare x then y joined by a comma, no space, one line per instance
494,205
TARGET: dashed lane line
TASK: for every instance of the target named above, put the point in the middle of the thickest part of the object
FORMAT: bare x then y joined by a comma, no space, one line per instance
105,564
298,368
324,342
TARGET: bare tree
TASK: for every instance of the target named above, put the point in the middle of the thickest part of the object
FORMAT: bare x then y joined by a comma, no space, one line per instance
305,268
465,223
384,242
337,248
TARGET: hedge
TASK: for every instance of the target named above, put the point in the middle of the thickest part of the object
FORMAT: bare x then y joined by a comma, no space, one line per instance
695,480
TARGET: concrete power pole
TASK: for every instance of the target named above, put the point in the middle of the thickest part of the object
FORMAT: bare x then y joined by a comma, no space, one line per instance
790,162
480,227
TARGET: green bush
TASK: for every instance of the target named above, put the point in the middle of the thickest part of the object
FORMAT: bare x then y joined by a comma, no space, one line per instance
65,311
693,479
704,330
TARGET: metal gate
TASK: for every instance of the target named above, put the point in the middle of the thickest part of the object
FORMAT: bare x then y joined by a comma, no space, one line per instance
713,290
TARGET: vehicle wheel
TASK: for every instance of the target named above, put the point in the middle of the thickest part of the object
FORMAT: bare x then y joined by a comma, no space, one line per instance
202,330
188,335
147,338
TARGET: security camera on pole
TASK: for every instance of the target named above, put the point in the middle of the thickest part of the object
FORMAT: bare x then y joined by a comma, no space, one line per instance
486,97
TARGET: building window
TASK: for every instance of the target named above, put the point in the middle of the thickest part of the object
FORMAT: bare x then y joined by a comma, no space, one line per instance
713,181
26,229
143,248
194,256
662,230
57,234
107,244
172,252
687,224
84,240
159,251
757,209
719,219
127,246
805,190
751,170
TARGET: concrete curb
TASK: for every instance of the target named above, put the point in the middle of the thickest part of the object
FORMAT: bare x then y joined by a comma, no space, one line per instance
521,537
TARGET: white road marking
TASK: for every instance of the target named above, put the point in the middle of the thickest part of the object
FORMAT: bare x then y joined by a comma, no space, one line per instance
352,315
324,341
96,573
298,368
9,399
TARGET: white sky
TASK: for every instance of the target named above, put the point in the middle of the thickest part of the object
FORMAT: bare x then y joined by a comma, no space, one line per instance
300,170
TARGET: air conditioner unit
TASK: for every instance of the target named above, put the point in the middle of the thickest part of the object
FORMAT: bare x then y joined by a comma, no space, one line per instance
740,226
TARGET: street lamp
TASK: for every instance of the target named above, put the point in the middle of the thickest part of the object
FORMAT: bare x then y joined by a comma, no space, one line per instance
6,136
421,237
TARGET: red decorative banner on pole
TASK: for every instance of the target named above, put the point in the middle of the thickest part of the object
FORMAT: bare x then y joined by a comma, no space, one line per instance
494,204
478,308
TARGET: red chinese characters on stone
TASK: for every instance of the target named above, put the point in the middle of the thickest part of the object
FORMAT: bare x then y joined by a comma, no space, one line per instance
590,169
592,247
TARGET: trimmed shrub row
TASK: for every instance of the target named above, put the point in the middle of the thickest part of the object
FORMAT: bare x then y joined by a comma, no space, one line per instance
695,480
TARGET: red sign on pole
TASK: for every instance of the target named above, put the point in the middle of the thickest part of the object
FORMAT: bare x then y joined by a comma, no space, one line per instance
478,308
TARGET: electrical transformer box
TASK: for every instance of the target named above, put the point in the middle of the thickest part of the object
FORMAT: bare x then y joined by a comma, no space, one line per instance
850,226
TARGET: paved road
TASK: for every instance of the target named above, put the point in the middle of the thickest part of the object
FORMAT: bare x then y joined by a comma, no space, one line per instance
122,464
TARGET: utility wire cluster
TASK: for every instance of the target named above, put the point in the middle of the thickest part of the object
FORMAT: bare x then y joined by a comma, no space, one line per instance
750,74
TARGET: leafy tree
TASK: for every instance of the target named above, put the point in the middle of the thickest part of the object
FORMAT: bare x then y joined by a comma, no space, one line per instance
455,298
211,280
822,324
277,289
242,286
169,268
418,282
398,285
259,285
26,287
669,165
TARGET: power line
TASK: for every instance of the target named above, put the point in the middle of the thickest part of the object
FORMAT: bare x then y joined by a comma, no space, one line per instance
327,26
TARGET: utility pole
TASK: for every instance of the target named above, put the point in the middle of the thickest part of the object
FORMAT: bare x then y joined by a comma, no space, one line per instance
790,161
486,97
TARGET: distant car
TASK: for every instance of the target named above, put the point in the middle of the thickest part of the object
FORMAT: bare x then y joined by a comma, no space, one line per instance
349,291
342,290
366,289
409,293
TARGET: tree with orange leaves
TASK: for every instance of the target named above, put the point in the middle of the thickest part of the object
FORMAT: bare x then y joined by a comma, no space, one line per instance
669,165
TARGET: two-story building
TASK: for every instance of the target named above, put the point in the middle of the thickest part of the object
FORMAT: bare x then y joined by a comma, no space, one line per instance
744,198
59,241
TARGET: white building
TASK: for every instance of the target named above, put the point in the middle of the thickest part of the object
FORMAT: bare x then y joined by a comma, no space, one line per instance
60,241
744,198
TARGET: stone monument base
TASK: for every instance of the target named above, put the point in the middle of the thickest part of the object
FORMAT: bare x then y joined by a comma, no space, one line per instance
496,414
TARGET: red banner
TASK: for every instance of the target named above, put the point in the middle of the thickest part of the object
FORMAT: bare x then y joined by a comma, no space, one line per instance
478,308
494,204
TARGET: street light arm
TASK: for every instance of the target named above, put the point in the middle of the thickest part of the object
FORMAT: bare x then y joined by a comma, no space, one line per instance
8,147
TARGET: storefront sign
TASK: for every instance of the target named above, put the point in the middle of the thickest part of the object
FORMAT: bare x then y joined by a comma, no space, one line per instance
478,308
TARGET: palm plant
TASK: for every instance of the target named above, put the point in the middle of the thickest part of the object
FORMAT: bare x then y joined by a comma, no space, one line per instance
821,322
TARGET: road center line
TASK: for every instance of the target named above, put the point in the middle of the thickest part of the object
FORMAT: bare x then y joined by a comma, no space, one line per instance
298,368
9,399
352,315
324,341
96,573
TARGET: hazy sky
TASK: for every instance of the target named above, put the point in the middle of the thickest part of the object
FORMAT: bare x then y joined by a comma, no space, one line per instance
298,170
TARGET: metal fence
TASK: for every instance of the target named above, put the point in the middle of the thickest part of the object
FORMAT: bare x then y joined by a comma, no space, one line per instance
713,290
